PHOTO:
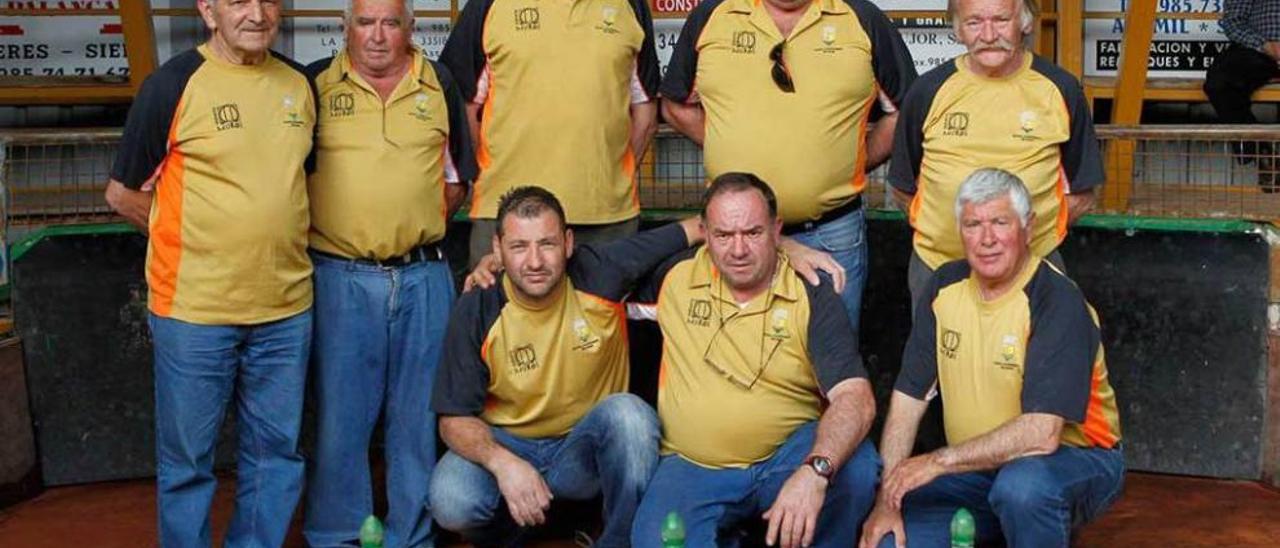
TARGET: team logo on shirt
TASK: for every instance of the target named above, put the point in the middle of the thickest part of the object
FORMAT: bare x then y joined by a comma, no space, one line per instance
342,104
1027,122
291,116
950,341
608,16
524,359
226,116
586,339
956,124
699,312
778,325
420,110
527,18
828,40
744,41
1008,352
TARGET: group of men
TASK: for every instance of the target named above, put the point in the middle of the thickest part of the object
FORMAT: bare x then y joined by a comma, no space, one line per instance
346,173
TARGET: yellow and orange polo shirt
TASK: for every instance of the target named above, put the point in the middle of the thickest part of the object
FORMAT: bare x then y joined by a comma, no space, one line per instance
1035,349
847,62
381,167
1034,123
225,146
554,82
535,370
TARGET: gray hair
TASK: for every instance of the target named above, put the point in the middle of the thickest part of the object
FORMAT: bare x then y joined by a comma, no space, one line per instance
351,8
1027,12
989,184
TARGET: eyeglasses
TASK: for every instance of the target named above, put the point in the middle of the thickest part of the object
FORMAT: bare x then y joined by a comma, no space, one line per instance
781,76
764,359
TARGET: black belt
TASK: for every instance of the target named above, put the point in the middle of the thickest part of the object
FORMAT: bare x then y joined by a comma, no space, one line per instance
848,207
429,252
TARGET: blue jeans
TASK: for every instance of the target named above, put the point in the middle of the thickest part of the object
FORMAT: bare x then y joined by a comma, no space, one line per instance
1030,502
845,238
612,450
199,368
378,336
714,502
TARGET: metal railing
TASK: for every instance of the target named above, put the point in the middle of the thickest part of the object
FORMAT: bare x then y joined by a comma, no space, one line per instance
55,177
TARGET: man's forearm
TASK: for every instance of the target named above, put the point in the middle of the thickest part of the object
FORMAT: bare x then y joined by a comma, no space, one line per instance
472,439
880,141
688,119
1027,435
644,124
846,421
1079,204
901,198
454,195
133,205
900,427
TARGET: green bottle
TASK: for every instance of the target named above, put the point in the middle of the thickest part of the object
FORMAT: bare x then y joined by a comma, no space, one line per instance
673,531
962,529
371,533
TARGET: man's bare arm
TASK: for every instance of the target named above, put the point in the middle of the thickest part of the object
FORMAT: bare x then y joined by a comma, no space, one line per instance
133,205
901,198
454,195
644,124
900,427
524,489
1079,204
689,119
880,141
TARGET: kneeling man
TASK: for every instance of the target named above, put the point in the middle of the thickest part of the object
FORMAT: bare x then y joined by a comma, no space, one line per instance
531,388
1013,348
762,395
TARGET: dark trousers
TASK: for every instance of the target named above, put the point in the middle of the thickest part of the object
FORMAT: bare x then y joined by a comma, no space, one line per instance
1231,80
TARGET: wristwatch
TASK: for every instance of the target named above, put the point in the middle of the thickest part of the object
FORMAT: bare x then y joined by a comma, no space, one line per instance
821,466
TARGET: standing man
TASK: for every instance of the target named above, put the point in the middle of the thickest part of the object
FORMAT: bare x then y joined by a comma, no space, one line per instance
383,287
560,95
997,105
1252,60
1014,350
531,392
785,89
762,395
229,283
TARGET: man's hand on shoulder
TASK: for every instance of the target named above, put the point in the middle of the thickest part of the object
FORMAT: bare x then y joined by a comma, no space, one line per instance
793,518
484,275
808,261
526,493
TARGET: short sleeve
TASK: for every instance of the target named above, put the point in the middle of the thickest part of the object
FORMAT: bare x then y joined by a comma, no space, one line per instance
612,270
833,344
890,59
1060,353
682,69
463,52
919,372
647,69
461,151
462,378
145,141
908,136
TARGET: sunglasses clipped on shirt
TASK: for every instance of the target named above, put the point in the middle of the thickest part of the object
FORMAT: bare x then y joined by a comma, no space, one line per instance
781,76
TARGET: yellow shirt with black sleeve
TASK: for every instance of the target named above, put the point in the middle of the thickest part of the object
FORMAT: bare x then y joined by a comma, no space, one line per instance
1034,123
554,82
226,147
536,370
810,145
737,380
1035,349
381,167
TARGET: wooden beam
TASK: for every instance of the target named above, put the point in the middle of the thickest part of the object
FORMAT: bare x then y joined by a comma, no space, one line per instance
1127,109
1070,37
139,41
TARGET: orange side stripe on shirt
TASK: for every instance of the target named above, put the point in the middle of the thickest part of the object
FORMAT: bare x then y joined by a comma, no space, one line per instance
1096,428
859,180
166,228
1063,211
482,148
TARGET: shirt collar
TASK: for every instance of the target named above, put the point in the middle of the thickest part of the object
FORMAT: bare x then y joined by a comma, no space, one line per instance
418,67
828,7
786,284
